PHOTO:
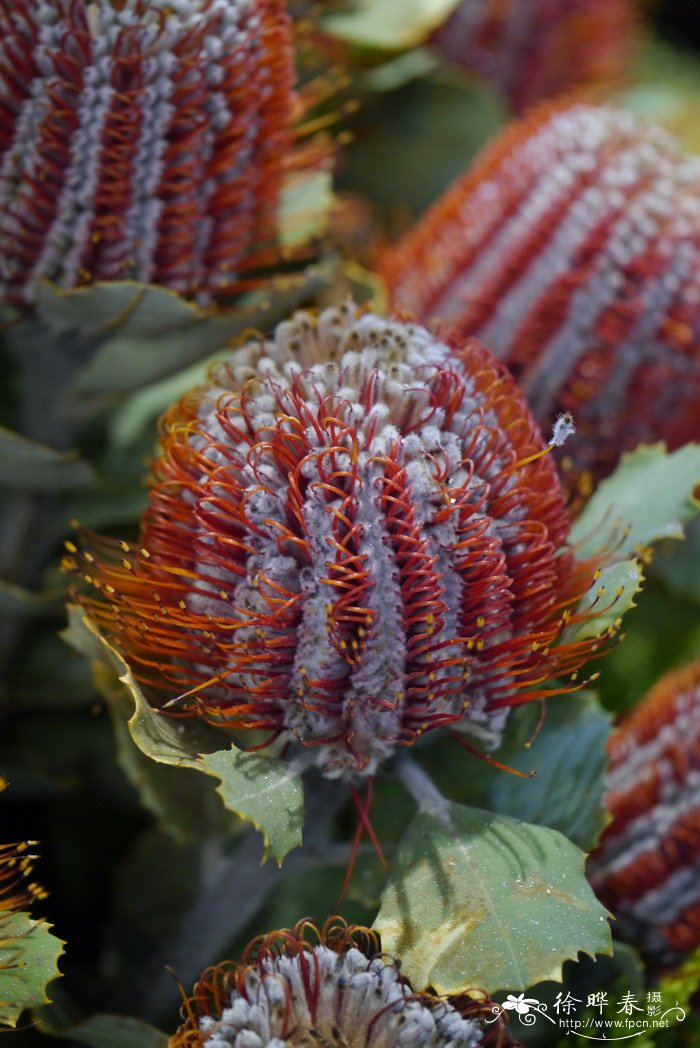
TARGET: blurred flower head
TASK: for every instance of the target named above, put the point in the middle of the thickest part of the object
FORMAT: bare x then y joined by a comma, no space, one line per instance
572,248
530,50
143,139
331,987
348,544
646,869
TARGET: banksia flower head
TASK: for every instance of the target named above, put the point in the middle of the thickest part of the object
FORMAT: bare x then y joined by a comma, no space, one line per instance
143,139
530,50
646,869
334,991
347,544
572,248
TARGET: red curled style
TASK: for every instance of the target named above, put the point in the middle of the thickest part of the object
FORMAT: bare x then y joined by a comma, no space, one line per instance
349,542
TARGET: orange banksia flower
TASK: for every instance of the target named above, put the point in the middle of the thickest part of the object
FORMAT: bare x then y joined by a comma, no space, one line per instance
530,50
349,544
572,248
646,869
143,139
329,987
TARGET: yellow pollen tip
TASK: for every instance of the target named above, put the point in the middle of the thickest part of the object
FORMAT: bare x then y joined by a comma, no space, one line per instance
124,546
71,547
481,621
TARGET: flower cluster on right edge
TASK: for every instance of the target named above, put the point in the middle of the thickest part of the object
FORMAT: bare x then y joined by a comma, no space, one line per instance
647,867
331,986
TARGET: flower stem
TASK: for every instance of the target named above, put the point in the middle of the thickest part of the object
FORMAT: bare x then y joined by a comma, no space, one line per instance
422,788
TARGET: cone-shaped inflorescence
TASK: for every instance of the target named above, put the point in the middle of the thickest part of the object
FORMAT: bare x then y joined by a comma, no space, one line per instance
572,248
142,139
647,867
345,545
530,50
328,987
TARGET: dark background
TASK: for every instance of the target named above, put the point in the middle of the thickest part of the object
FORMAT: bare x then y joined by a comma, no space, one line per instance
679,21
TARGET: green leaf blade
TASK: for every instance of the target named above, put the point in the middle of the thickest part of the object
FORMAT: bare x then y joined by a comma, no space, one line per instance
649,497
265,792
567,756
29,956
486,901
389,25
110,1031
26,465
261,790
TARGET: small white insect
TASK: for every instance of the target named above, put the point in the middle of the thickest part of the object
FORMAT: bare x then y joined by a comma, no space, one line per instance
562,429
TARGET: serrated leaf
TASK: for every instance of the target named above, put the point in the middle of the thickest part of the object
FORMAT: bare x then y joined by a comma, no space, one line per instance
264,791
482,900
26,465
111,1031
28,963
613,593
183,802
649,497
141,332
389,25
567,757
191,744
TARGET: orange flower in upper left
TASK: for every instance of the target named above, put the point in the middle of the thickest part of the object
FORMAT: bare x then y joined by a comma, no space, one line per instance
143,139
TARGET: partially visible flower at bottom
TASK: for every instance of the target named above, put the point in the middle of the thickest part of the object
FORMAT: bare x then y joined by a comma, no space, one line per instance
646,869
329,987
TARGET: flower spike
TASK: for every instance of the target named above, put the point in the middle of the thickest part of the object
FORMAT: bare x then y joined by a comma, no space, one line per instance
344,545
572,248
531,50
646,869
145,140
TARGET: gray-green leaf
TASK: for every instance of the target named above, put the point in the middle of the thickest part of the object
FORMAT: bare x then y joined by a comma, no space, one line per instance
481,900
28,962
192,744
29,466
